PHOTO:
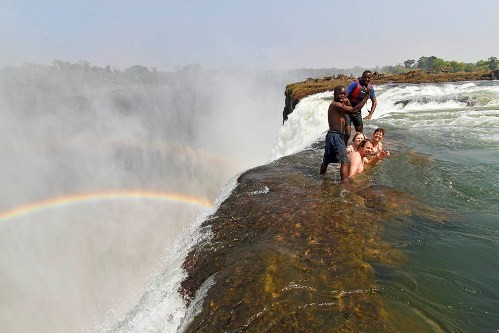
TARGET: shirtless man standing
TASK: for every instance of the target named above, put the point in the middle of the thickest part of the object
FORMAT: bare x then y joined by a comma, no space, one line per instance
336,150
358,160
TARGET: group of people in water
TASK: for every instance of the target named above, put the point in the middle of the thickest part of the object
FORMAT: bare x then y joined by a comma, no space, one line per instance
344,111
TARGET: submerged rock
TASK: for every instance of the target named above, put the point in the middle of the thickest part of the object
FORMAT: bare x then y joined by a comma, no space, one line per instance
293,251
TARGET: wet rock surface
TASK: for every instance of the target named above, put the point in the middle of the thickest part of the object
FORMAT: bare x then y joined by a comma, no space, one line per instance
293,251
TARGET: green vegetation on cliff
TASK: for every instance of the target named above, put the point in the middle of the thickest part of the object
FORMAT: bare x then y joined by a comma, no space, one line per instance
436,65
299,90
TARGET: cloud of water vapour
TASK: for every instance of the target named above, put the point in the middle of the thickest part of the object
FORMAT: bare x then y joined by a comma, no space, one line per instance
71,129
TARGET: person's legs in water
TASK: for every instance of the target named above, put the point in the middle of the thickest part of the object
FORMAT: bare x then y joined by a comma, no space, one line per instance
348,128
344,170
357,122
323,168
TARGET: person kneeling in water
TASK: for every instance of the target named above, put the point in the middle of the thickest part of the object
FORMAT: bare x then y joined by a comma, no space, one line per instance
357,139
357,158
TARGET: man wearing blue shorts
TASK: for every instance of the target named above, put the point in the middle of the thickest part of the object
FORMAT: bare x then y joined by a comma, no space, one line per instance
335,150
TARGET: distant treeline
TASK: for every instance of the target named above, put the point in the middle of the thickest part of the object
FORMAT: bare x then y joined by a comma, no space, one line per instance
139,74
437,65
151,75
82,70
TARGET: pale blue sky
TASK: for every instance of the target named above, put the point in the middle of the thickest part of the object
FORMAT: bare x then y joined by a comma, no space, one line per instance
257,34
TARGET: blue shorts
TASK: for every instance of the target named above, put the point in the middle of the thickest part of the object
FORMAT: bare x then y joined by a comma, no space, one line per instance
335,150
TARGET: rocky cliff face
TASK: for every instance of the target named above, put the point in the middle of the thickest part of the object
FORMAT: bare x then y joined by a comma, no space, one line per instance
289,104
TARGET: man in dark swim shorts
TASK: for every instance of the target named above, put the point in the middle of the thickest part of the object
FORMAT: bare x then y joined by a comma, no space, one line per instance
336,149
356,91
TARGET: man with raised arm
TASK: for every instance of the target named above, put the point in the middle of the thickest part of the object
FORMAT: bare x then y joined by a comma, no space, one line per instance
356,92
336,149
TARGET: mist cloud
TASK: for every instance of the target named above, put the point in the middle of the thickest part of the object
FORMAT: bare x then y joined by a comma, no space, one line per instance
70,129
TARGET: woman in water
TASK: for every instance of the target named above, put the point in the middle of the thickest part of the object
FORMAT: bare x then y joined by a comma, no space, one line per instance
378,136
357,139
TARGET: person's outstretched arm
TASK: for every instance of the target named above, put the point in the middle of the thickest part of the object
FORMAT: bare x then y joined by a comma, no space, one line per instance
372,109
379,156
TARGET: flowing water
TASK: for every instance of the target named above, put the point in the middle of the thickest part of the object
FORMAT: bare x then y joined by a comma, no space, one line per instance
409,246
106,183
444,140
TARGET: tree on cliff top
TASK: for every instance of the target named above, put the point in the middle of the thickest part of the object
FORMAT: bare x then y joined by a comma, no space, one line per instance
409,62
492,63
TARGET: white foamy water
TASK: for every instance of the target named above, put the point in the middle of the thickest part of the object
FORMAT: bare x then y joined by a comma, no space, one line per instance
470,107
305,125
162,308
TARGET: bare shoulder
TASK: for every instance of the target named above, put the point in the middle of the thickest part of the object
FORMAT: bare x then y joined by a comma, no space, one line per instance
335,104
339,106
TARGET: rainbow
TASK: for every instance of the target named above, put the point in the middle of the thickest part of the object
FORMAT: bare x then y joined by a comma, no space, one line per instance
101,196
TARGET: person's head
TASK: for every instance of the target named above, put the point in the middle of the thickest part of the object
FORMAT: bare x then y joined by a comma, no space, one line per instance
366,78
365,147
357,138
378,134
340,93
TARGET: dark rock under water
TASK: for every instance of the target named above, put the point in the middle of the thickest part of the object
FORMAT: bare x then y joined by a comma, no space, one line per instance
293,251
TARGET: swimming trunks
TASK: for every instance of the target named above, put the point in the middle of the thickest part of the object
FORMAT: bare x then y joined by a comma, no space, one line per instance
355,93
335,150
355,119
